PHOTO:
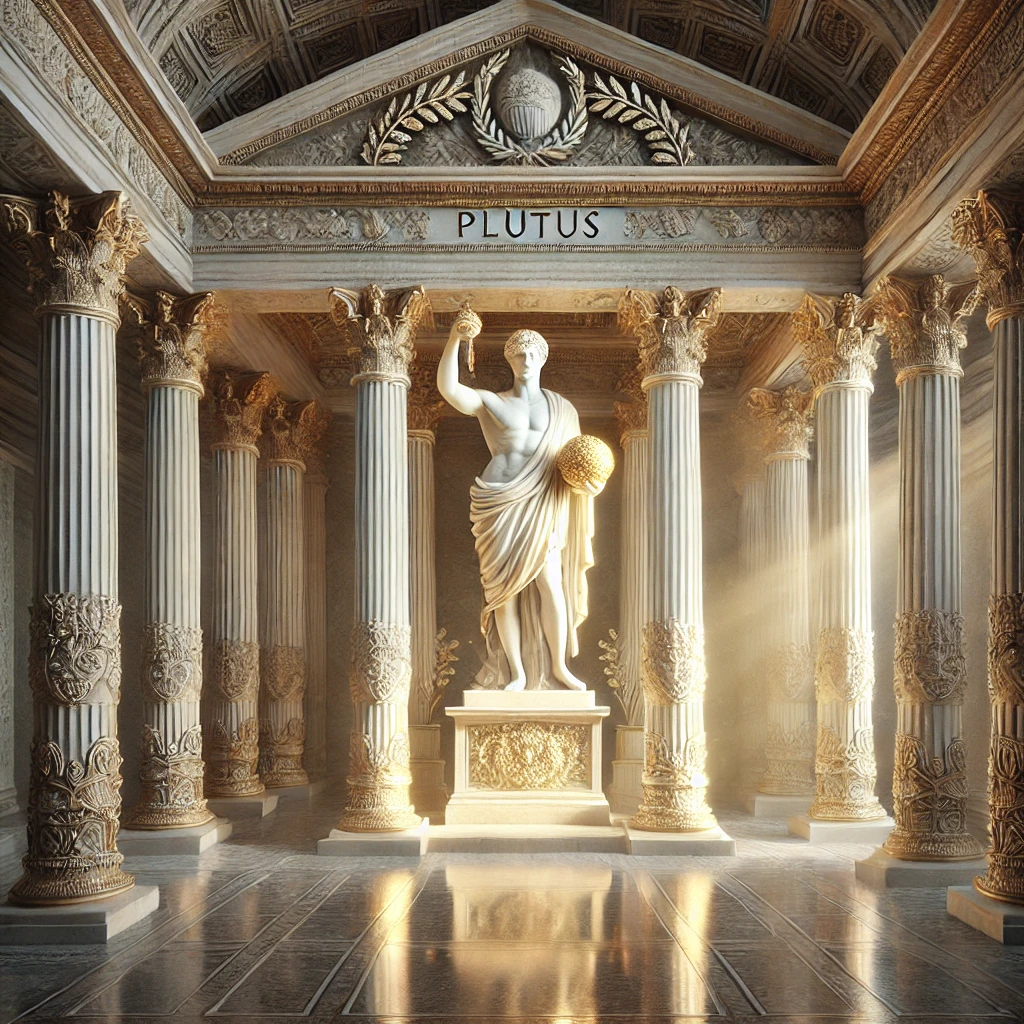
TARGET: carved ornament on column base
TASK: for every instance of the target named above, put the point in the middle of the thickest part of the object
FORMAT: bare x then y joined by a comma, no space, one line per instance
378,786
233,670
929,804
844,668
172,662
675,786
846,776
789,760
72,827
929,662
283,672
172,782
231,760
672,669
281,752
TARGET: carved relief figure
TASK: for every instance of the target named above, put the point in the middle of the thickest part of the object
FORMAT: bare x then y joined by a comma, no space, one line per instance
533,530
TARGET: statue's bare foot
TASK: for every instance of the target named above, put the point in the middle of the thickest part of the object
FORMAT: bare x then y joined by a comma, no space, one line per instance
569,681
517,685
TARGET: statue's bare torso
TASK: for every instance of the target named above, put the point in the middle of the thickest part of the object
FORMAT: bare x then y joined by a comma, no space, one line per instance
513,426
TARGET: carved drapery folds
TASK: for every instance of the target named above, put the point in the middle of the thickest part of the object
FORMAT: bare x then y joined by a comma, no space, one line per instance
924,323
839,339
382,328
76,250
990,226
670,330
239,403
172,335
785,421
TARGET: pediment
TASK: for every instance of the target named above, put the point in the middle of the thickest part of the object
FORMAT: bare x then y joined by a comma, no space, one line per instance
526,83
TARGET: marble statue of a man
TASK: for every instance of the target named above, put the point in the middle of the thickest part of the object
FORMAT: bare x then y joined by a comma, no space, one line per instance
533,533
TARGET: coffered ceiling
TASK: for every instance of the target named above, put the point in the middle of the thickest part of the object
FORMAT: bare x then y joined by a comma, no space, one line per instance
229,57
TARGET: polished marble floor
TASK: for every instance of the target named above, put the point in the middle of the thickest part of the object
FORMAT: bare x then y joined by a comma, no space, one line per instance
260,930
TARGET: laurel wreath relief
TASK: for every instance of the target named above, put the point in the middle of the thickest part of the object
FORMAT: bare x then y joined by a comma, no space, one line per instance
666,135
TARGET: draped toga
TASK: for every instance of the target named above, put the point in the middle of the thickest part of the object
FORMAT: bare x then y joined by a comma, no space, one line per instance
517,525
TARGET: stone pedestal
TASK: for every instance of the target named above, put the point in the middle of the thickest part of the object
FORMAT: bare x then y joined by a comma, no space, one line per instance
709,842
626,790
1001,921
765,805
178,842
234,808
818,832
884,871
528,758
79,924
411,842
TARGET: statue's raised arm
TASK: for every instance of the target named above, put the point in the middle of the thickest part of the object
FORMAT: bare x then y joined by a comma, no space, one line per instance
460,397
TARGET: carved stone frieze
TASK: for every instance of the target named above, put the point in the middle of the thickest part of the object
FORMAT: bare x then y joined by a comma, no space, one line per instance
930,667
72,826
233,670
529,755
1006,649
378,786
292,430
844,667
76,649
846,774
76,250
239,402
674,786
171,662
839,339
231,227
990,226
172,781
381,662
929,799
231,759
785,419
672,666
789,673
283,673
425,402
923,321
172,338
670,329
382,326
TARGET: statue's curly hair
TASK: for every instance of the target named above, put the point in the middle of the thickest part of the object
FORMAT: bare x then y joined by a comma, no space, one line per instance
520,341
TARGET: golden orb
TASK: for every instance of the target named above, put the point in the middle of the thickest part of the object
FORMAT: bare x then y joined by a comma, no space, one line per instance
585,463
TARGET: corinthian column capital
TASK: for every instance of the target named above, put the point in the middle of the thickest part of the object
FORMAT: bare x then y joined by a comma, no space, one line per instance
382,328
670,330
76,250
923,321
425,402
239,402
990,226
631,415
293,430
839,339
171,338
785,421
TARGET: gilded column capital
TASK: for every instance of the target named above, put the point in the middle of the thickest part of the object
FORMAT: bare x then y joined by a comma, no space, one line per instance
631,415
839,337
76,250
670,330
239,402
171,338
293,430
990,226
785,421
382,328
425,402
923,321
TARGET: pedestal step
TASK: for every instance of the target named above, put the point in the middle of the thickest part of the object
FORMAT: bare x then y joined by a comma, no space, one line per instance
766,805
78,923
1003,922
173,842
883,871
411,843
236,807
712,842
818,833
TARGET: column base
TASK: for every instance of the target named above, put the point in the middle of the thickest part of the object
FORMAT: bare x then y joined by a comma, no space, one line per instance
1003,922
236,807
80,924
712,842
883,871
818,832
527,839
178,842
285,779
768,805
410,843
306,791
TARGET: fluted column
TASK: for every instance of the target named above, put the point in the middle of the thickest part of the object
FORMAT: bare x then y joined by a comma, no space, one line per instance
671,338
314,505
785,420
383,326
77,252
8,793
172,355
991,227
839,345
232,677
289,432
